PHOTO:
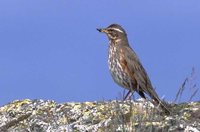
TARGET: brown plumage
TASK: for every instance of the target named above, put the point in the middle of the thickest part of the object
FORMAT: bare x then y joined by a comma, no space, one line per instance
125,67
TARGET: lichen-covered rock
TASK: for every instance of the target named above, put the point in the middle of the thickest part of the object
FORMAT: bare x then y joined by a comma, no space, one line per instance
48,116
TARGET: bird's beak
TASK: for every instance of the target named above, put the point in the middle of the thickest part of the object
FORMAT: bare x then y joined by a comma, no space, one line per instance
103,30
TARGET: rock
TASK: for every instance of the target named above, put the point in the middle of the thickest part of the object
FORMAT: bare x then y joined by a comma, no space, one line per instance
49,116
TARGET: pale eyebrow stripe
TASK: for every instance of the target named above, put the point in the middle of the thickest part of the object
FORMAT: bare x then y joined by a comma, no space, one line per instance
116,29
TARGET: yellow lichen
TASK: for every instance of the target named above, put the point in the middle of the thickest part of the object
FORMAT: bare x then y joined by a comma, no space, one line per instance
15,105
186,115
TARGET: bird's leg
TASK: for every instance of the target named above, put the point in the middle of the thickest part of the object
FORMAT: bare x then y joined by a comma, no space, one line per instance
128,95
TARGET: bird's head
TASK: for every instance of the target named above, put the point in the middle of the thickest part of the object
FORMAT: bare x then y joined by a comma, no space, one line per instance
114,32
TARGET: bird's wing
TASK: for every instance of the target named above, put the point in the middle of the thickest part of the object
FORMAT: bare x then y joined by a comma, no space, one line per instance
138,70
135,67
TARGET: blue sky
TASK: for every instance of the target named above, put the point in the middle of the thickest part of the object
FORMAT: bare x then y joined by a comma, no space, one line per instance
51,50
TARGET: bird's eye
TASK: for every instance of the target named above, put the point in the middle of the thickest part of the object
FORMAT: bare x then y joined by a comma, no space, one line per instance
114,34
111,30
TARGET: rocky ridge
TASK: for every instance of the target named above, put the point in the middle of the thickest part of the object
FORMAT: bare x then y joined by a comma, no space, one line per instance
49,116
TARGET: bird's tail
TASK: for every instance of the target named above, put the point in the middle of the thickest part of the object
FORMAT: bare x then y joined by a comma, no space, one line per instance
161,104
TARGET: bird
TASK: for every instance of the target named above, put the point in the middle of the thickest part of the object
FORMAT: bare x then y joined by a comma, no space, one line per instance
126,68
